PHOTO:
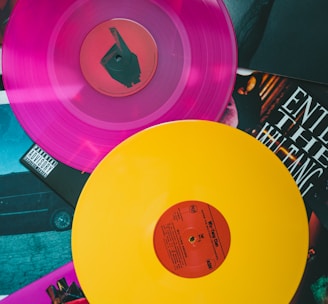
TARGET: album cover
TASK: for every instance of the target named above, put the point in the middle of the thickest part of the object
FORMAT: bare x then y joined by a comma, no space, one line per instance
282,37
63,179
35,222
290,117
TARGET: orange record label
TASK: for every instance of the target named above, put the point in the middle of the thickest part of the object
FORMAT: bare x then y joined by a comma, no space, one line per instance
192,239
118,57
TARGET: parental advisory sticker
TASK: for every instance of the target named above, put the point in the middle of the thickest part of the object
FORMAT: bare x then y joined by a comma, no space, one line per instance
40,161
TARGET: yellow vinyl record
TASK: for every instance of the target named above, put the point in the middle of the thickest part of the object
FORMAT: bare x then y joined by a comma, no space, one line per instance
190,212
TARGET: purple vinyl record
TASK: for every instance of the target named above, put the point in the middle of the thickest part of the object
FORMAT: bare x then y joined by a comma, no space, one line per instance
82,76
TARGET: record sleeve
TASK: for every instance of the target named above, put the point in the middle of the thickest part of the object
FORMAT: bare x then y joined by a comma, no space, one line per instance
283,38
289,116
66,181
30,213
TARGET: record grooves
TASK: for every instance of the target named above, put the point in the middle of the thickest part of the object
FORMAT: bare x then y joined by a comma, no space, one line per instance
181,59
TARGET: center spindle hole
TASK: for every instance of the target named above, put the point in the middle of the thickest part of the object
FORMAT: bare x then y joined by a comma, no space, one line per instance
118,58
191,239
